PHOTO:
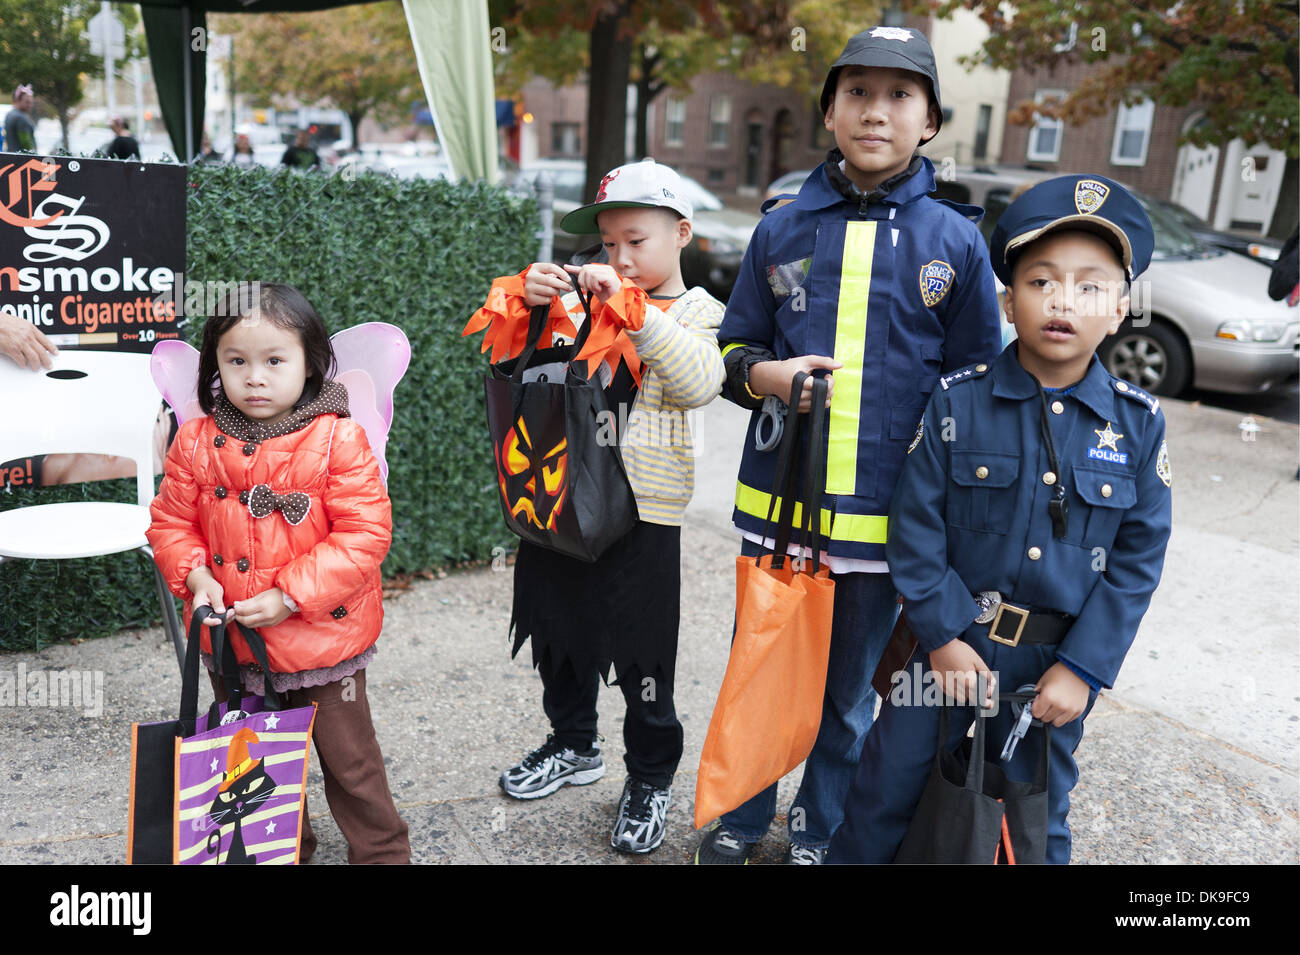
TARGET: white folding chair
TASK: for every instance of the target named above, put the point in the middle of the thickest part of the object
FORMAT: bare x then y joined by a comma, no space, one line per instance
91,403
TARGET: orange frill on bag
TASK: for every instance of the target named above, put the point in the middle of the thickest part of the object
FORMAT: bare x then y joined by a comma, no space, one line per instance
506,314
608,340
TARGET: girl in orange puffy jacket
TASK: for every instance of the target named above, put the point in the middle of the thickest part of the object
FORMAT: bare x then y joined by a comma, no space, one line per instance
272,511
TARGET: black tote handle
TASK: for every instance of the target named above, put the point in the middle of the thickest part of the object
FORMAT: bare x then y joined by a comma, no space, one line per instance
975,767
814,479
537,326
784,485
190,673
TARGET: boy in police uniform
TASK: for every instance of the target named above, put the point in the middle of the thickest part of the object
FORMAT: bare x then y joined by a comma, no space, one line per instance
864,276
1028,529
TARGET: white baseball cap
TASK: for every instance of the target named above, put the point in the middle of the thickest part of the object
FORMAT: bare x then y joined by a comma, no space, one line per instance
645,184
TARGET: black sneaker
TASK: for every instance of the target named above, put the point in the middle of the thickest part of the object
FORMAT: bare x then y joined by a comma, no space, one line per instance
721,846
805,855
549,767
642,817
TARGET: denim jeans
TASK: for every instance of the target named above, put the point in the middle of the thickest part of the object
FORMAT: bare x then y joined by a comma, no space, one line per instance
866,606
896,760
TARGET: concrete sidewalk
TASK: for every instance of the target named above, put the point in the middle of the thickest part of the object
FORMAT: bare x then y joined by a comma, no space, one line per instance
1191,758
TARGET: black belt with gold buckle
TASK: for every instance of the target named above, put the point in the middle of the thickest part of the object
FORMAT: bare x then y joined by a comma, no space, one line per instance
1012,626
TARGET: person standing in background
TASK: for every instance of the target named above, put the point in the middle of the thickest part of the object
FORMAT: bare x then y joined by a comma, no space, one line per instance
20,132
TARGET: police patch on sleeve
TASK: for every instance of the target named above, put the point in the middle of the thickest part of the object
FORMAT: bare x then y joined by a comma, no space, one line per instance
1162,464
920,433
936,278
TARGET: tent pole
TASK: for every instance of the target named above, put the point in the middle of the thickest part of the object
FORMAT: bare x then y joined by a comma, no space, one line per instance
187,72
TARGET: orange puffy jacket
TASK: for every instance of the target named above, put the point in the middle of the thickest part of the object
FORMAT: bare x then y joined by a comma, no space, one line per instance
328,563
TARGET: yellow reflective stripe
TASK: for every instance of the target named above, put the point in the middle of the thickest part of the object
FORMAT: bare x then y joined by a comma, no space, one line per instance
856,528
850,349
733,345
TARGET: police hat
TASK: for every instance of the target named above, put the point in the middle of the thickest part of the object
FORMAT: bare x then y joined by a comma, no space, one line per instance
892,47
1090,203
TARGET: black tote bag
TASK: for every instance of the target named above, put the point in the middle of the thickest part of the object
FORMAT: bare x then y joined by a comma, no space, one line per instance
555,437
151,825
971,813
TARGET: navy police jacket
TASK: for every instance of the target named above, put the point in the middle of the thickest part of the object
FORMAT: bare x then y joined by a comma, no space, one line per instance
897,287
970,512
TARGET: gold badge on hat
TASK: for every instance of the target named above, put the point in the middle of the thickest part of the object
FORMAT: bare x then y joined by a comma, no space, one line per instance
1089,194
935,278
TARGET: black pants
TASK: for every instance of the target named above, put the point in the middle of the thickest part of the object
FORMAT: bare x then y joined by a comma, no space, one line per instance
652,734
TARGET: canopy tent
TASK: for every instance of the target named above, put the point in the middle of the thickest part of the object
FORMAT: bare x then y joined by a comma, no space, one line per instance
452,48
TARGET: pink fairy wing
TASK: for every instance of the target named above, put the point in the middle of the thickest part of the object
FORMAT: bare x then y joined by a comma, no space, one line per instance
372,358
175,369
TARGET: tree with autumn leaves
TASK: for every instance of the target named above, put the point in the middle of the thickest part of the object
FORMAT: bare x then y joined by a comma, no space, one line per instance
663,45
357,58
1235,59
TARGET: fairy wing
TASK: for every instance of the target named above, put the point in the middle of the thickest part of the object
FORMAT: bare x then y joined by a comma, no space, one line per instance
372,358
174,366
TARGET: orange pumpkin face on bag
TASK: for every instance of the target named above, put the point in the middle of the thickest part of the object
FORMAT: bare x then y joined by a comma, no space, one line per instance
531,474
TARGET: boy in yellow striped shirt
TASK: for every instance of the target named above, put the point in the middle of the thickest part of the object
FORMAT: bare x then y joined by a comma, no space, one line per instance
622,611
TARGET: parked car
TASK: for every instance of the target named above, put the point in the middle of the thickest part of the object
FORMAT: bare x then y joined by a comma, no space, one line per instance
1205,316
401,160
787,185
717,247
1259,247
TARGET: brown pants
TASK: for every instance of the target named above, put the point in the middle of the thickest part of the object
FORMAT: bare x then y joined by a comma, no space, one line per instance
356,786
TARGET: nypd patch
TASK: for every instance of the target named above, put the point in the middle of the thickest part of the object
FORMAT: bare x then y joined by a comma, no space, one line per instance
1162,465
935,278
1089,194
920,433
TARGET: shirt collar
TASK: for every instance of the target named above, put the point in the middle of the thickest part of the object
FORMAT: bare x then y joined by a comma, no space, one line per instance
1010,380
820,191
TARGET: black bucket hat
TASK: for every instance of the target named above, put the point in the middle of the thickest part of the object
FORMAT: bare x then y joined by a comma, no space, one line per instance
898,48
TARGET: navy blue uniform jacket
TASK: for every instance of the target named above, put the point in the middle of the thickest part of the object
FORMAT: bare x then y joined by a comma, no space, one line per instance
971,509
899,289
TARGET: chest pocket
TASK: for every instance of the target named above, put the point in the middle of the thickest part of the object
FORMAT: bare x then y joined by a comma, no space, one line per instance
983,492
1108,495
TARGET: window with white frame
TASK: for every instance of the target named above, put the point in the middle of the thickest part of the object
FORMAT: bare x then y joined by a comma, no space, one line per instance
1045,136
674,121
1132,134
719,120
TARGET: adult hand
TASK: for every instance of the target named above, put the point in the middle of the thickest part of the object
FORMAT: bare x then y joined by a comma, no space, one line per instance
22,342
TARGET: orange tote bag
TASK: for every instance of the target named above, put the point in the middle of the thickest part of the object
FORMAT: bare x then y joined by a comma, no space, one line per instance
769,709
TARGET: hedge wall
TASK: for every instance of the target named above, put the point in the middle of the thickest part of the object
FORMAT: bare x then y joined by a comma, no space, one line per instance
417,253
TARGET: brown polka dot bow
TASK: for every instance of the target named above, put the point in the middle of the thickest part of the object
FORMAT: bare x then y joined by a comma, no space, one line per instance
263,501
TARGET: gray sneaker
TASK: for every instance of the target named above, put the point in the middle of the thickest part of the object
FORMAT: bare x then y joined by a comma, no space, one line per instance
805,855
642,817
549,767
721,846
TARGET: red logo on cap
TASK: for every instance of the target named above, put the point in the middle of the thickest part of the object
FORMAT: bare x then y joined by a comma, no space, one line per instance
600,195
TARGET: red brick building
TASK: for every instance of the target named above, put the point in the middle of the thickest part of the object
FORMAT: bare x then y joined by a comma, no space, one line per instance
732,137
1232,186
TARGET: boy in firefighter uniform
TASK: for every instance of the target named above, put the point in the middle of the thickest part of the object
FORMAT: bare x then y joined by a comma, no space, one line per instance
864,276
